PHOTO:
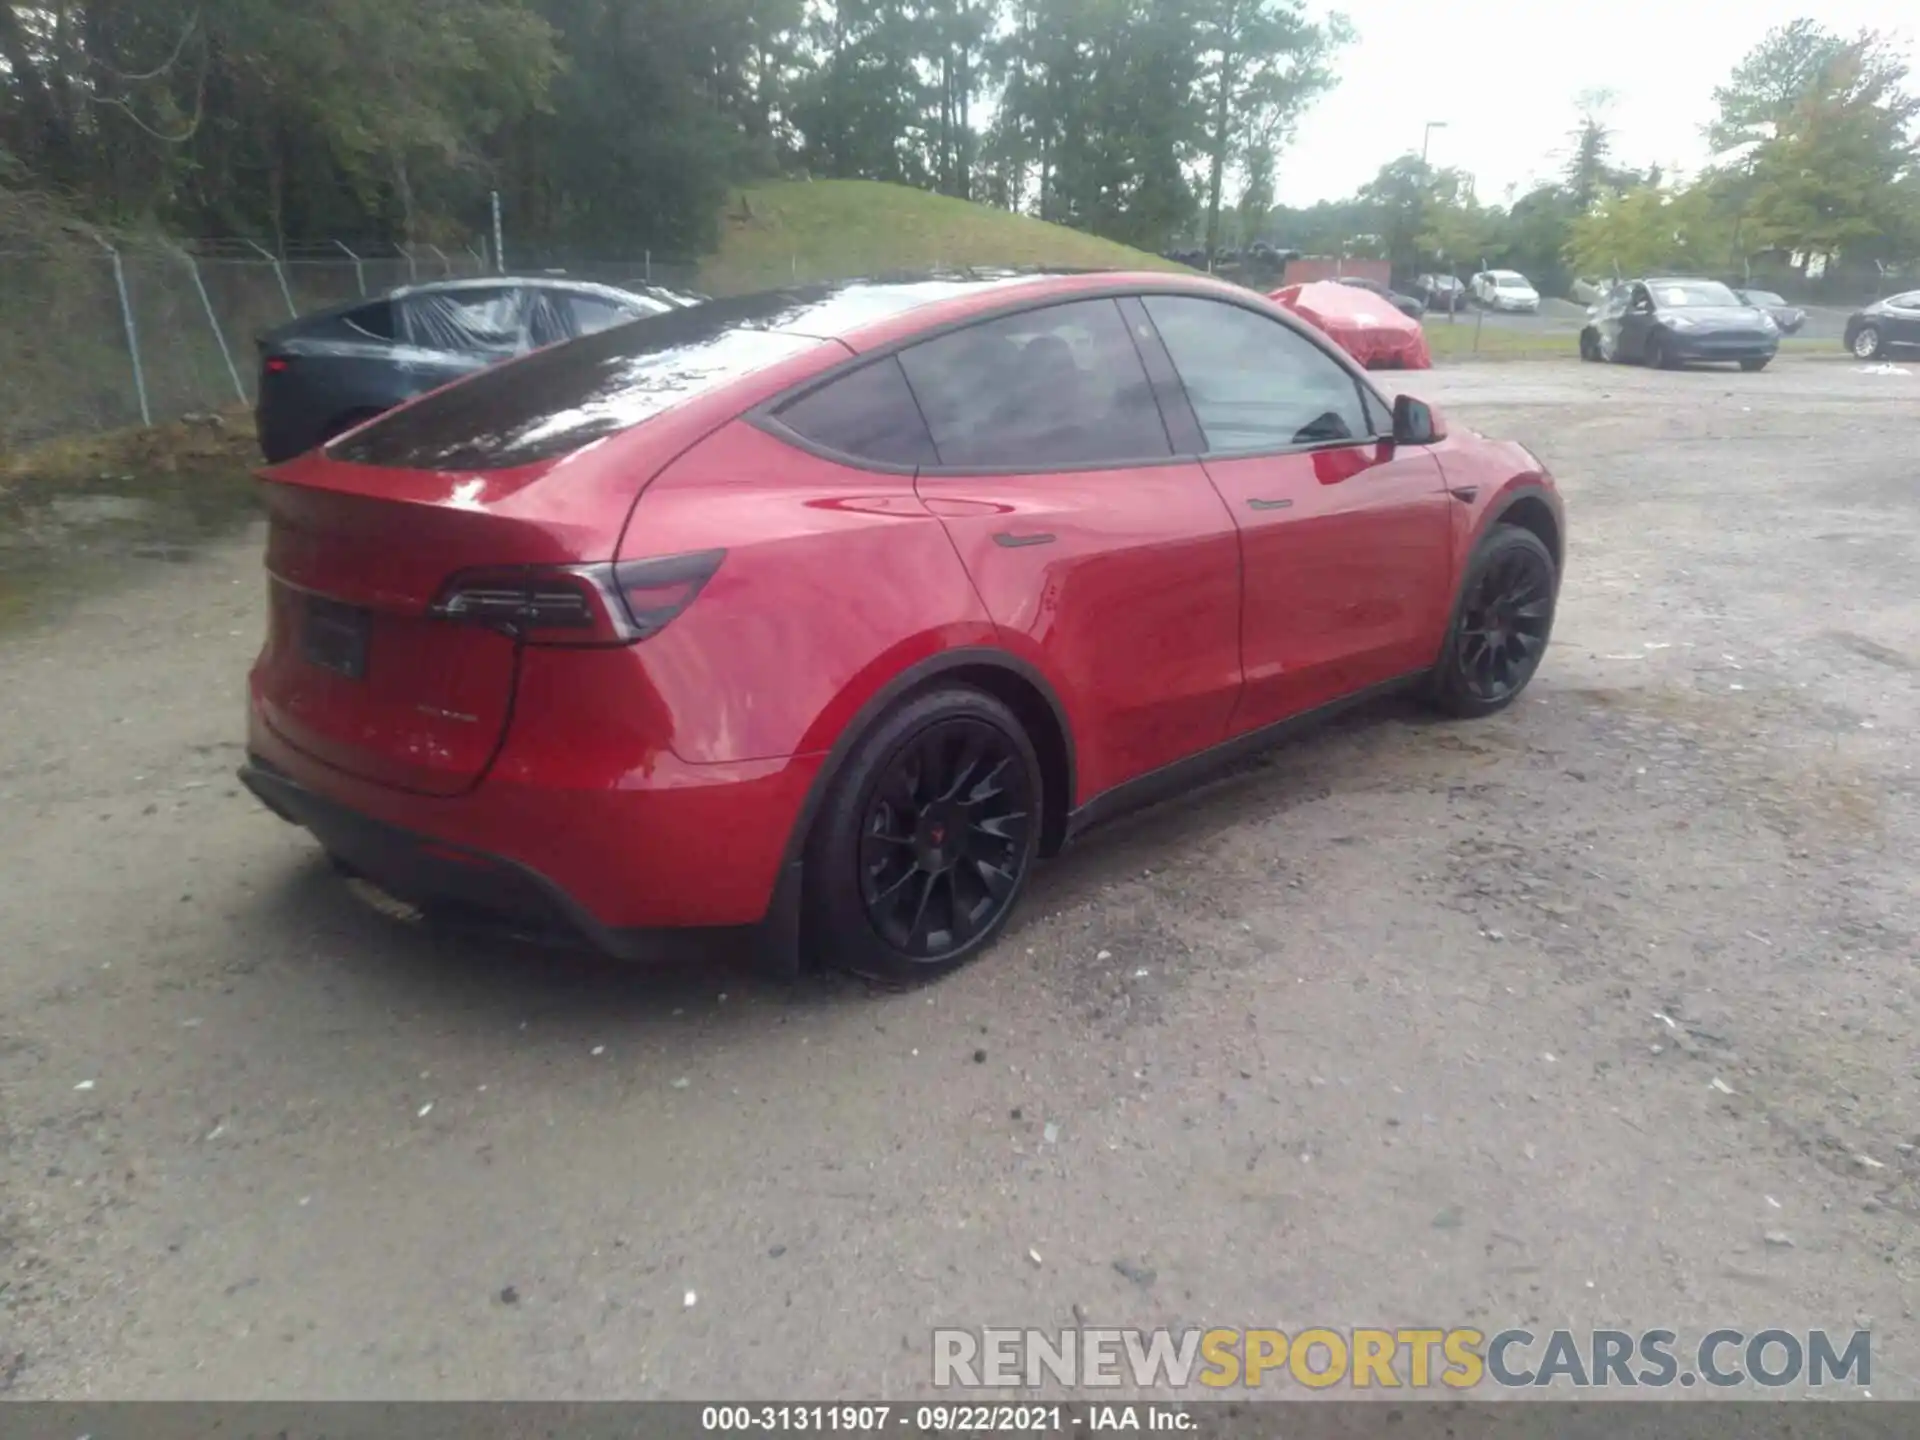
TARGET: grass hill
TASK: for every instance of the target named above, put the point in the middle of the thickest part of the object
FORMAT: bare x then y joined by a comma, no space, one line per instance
789,230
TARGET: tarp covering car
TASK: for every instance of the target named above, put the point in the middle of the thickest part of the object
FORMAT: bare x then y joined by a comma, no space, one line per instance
1361,323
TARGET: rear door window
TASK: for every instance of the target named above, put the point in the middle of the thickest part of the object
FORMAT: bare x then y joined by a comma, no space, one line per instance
1254,383
867,415
490,320
593,313
373,321
1059,386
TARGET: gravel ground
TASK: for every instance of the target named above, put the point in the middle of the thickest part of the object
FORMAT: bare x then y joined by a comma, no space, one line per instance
1414,1023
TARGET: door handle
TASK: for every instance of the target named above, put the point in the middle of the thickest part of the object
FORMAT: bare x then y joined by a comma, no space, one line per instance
1010,541
1465,494
1259,504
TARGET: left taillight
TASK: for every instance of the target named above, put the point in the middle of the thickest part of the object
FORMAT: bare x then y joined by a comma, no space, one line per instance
605,604
276,364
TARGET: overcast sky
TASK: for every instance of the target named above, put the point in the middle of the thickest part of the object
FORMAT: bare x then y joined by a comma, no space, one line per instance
1504,78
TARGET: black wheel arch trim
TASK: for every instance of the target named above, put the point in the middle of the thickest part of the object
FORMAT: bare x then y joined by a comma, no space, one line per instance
1497,512
917,677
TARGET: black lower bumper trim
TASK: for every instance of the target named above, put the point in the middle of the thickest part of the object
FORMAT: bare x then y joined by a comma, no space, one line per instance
459,888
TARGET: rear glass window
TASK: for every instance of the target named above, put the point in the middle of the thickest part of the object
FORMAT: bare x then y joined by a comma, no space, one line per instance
554,401
869,415
374,320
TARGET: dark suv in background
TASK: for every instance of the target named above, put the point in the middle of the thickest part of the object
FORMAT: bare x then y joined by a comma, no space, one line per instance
325,373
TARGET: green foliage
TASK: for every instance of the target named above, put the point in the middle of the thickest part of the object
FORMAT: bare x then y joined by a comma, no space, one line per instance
256,115
1649,229
1828,178
622,125
1773,77
1261,62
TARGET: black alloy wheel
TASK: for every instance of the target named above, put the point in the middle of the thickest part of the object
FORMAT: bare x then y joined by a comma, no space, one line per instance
1501,624
944,838
928,841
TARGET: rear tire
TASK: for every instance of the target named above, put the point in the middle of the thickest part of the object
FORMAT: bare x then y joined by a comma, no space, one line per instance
926,841
1589,347
1752,365
1502,620
1867,343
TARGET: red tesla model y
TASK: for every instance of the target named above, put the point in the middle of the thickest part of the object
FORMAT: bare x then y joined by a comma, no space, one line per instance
817,617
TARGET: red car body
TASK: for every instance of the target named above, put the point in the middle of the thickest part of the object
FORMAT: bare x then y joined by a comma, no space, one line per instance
754,602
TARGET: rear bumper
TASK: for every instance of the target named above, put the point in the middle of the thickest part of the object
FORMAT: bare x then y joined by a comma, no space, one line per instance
697,861
446,881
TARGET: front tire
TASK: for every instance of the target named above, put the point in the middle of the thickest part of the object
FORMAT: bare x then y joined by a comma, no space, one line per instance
1589,346
1752,365
1501,623
1658,353
926,840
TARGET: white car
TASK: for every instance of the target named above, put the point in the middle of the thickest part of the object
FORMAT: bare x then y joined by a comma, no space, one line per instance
1506,290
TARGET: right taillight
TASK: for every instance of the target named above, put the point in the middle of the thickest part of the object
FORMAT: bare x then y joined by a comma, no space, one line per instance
605,604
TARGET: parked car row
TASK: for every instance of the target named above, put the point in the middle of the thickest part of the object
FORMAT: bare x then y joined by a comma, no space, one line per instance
1673,320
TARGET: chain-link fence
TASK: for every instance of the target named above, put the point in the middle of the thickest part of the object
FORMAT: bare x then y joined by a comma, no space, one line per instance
98,335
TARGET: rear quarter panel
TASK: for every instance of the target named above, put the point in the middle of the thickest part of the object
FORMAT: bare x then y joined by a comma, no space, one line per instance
835,581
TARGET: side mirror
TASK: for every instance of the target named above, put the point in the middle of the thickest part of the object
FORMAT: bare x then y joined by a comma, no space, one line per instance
1414,422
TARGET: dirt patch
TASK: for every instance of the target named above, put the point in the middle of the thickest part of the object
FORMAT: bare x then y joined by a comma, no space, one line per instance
73,511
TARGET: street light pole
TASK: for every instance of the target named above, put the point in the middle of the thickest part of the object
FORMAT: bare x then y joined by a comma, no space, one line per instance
1426,138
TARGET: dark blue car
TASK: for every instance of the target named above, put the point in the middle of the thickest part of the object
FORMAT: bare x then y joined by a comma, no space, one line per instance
326,373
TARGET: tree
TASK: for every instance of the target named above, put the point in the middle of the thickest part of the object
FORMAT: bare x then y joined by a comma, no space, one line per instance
1534,237
1400,197
1459,231
1765,86
863,110
1261,62
1591,173
1830,175
958,32
1097,118
216,115
1648,229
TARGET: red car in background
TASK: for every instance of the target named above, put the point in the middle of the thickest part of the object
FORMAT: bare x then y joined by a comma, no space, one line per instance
1362,322
817,617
